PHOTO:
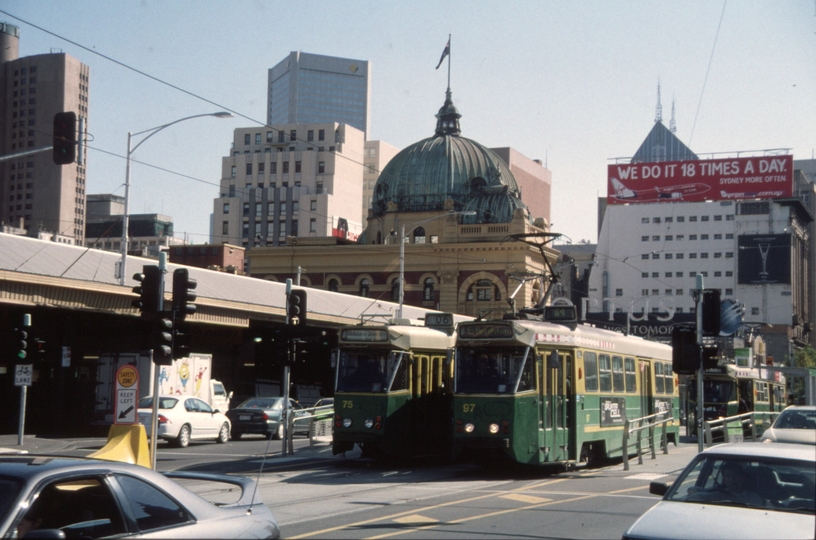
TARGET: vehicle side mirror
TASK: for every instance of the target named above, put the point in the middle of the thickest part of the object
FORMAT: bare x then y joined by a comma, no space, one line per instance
216,411
658,488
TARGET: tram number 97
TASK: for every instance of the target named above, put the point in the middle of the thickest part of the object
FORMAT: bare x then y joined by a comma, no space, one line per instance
468,407
348,404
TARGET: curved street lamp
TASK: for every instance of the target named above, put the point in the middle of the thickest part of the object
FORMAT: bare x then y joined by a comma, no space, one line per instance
402,250
125,218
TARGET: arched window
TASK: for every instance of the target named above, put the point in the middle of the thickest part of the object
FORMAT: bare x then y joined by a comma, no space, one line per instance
365,286
334,285
395,290
483,291
419,235
428,289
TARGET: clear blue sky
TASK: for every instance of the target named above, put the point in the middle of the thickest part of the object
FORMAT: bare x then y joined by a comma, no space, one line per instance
571,83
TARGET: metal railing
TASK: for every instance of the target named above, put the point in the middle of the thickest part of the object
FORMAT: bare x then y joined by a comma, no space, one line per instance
747,422
639,425
319,419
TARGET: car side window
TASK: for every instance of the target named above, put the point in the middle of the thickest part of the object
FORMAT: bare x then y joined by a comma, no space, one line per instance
81,507
151,508
203,406
190,405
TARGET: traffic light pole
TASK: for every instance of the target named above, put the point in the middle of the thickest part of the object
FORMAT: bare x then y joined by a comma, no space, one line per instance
23,394
289,359
700,372
154,417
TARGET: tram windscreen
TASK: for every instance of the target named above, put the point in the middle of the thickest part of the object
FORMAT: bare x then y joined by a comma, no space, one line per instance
715,391
493,371
371,371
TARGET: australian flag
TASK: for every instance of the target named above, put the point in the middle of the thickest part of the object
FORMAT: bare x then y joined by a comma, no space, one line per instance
445,53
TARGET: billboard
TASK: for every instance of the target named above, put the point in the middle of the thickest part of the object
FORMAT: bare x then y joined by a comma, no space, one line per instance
768,177
764,258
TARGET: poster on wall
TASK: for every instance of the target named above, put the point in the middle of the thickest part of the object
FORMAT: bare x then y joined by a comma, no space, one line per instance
766,177
763,259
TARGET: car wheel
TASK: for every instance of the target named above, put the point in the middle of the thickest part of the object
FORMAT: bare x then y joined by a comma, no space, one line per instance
223,435
236,435
278,432
183,439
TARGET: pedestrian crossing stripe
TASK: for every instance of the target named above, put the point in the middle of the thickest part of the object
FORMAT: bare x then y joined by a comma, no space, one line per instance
415,519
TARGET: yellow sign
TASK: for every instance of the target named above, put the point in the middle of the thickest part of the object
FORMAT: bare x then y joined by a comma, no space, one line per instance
127,376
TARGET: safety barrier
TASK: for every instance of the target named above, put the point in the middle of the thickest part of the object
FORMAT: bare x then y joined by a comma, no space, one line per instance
638,425
320,420
719,428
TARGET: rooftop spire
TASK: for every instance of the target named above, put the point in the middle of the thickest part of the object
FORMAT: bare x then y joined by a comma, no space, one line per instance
659,108
672,125
447,122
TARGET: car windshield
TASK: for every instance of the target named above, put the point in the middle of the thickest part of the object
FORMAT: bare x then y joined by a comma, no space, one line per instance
796,419
9,490
261,403
164,403
783,485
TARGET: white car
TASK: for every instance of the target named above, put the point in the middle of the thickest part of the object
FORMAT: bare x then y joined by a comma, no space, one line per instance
793,425
183,418
741,490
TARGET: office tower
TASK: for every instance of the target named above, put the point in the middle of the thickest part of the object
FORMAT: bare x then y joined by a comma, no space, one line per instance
45,199
312,88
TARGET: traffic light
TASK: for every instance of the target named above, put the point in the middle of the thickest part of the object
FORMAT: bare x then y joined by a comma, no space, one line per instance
183,287
39,350
163,342
20,337
181,342
685,351
149,291
296,307
711,312
65,138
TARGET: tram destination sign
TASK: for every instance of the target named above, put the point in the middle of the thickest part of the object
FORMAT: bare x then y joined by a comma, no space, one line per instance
364,334
485,331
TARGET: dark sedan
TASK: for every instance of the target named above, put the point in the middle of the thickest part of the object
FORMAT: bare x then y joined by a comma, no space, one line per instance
262,416
60,497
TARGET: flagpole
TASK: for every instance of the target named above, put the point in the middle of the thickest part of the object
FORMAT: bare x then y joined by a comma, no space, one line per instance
449,60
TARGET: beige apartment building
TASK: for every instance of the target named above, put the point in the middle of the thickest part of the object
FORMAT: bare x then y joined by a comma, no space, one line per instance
37,195
377,156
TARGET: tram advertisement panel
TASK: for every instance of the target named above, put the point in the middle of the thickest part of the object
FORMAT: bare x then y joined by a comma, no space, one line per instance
613,411
662,405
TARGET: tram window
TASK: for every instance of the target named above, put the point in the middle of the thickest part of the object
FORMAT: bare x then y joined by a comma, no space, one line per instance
631,377
526,379
591,371
606,373
667,374
658,369
761,391
401,376
617,374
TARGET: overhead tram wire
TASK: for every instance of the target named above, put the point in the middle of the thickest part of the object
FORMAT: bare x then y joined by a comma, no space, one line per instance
710,58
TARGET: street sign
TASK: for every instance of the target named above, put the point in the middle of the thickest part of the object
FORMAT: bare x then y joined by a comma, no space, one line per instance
22,375
127,395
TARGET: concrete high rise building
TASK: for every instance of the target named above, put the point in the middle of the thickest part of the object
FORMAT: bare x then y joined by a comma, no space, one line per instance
35,194
312,88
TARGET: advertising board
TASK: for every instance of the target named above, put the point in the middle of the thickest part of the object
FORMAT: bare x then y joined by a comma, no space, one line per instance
764,258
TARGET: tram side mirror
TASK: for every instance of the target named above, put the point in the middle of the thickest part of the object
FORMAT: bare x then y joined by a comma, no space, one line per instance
554,360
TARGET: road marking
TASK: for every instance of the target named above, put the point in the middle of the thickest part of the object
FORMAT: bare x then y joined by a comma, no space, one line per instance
416,518
524,498
646,476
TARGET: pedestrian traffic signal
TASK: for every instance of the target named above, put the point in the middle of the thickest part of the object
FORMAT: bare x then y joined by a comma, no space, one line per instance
20,337
181,342
183,295
150,298
39,349
296,307
711,312
163,342
65,138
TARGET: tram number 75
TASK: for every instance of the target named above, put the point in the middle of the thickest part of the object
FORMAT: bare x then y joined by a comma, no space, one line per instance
468,407
348,404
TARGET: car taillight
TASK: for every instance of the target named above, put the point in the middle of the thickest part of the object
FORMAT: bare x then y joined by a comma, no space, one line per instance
163,419
264,417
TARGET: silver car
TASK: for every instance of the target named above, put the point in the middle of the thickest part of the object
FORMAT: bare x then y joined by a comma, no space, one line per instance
741,490
793,425
59,497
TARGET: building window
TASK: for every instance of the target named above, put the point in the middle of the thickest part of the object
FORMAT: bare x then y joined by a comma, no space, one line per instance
729,292
225,227
283,207
270,209
618,292
313,206
668,274
292,135
681,219
334,285
729,273
249,169
246,231
644,292
692,218
261,168
297,166
232,172
718,255
754,311
718,274
644,220
395,290
321,135
273,168
668,220
656,220
669,238
246,138
703,237
269,136
365,286
678,255
692,255
655,274
246,209
226,208
258,209
282,229
644,256
729,236
655,292
310,135
681,237
717,218
704,255
644,274
717,237
257,138
312,225
319,187
668,256
656,238
678,274
321,167
692,274
644,238
655,255
428,290
285,167
729,254
703,218
729,217
668,292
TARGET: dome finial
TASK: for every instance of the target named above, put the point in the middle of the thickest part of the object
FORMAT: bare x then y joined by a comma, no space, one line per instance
447,122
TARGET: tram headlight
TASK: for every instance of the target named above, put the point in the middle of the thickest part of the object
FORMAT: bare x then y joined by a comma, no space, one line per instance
469,428
494,428
369,423
346,422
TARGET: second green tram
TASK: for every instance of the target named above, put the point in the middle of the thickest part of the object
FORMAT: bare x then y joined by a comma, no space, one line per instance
392,388
540,393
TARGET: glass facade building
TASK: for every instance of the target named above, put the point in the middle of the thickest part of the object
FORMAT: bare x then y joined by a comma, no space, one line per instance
311,88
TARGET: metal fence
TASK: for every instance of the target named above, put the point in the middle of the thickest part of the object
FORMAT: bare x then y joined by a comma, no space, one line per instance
743,427
638,426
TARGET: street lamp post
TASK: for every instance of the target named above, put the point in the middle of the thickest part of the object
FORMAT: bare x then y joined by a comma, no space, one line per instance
130,150
402,251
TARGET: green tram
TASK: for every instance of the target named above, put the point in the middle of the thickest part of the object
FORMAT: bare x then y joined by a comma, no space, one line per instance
731,390
541,393
392,388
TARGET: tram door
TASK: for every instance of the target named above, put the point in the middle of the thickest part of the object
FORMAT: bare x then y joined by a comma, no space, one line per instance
555,402
646,389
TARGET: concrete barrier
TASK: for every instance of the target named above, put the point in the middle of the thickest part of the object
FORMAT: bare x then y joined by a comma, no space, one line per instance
126,443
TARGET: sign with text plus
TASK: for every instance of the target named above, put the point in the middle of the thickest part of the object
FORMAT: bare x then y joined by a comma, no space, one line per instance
22,375
127,395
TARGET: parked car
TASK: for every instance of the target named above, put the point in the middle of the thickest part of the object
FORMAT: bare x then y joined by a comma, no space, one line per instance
740,490
64,497
182,419
793,425
262,416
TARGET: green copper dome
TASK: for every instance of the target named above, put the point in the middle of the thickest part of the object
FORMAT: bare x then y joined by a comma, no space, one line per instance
447,166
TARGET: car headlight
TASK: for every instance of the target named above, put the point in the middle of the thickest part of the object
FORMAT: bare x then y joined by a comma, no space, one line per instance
346,422
369,423
494,428
469,428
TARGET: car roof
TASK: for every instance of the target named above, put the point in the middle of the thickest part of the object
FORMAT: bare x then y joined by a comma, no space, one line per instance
800,408
33,465
764,450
